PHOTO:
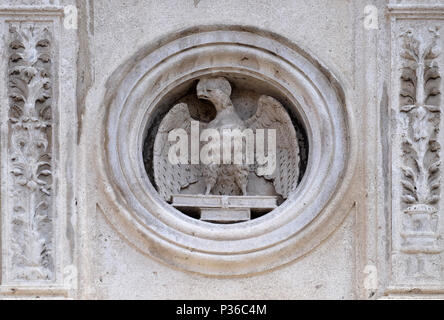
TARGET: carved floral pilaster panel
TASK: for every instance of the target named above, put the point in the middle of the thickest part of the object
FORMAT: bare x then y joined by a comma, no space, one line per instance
30,164
418,254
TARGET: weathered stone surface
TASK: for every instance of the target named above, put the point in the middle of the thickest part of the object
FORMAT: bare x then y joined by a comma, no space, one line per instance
91,208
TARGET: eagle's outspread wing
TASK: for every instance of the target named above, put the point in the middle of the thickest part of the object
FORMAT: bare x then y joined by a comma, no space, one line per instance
271,114
171,178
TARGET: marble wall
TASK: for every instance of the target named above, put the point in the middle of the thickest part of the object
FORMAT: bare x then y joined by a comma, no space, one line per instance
80,221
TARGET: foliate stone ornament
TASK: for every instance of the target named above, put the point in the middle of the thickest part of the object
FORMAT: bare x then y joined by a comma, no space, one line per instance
420,181
30,164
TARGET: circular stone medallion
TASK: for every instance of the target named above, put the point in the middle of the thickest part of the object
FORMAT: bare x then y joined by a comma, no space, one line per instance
254,62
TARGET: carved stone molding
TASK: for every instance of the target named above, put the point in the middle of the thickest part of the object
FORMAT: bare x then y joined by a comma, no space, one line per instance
416,221
416,11
153,80
36,151
420,108
30,146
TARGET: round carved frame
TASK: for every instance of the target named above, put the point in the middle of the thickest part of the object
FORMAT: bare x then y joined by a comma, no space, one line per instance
135,209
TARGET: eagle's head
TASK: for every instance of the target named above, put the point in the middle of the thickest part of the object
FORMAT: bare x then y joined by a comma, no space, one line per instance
215,89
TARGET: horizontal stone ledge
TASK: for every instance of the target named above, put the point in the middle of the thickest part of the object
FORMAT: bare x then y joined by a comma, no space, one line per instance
34,290
32,10
435,10
414,289
416,249
224,215
214,201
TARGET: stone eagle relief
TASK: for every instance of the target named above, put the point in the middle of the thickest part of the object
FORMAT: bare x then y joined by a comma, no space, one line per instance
225,181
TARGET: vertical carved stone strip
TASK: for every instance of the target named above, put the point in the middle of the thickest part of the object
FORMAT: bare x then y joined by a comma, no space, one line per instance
420,117
30,165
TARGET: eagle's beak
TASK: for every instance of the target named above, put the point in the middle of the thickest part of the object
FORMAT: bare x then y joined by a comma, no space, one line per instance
203,96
